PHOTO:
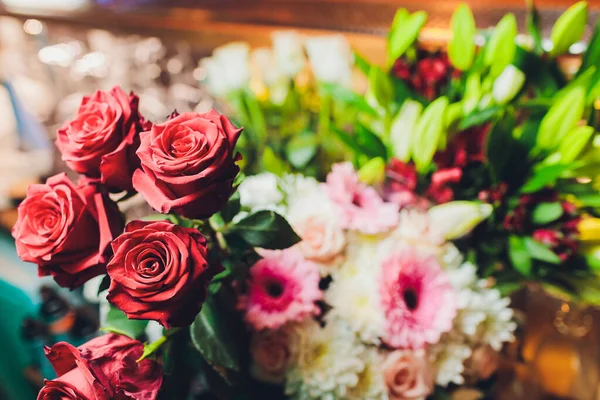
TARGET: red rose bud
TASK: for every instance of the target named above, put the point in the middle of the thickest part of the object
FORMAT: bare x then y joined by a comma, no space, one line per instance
105,368
66,229
188,164
160,272
101,141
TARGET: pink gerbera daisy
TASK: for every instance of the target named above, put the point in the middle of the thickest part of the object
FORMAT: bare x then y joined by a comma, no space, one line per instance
418,300
359,205
283,287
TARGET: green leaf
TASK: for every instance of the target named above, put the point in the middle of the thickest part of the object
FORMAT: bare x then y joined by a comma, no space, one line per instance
589,200
472,93
545,213
534,27
499,146
540,251
591,57
361,63
427,132
301,149
348,140
500,49
480,117
380,86
117,322
574,143
104,285
157,217
569,28
348,97
373,172
461,48
402,130
544,176
404,32
272,163
232,208
212,338
561,118
371,144
519,255
265,229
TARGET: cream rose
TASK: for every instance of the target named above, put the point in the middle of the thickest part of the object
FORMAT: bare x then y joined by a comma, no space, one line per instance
273,352
408,375
322,239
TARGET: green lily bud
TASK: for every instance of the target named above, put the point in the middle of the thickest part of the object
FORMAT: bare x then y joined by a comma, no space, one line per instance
457,218
500,49
461,48
574,142
430,126
404,32
373,172
402,129
472,93
508,84
561,118
569,28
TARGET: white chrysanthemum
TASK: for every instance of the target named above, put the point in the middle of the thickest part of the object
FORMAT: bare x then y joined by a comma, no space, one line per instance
295,186
355,299
329,362
415,230
371,385
363,253
449,358
261,192
498,325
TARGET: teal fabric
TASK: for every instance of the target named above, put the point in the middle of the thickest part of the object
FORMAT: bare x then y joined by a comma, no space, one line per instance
15,353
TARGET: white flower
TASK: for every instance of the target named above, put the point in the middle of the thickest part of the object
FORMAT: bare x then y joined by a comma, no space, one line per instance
229,68
498,325
457,218
217,86
261,192
330,58
329,362
508,84
415,230
449,358
355,299
264,62
289,52
371,385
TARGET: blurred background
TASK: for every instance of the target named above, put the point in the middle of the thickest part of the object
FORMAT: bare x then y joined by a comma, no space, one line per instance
52,52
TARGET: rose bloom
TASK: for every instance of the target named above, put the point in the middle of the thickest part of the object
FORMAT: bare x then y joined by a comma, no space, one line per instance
273,351
105,368
100,142
484,362
408,375
160,272
322,240
66,229
188,164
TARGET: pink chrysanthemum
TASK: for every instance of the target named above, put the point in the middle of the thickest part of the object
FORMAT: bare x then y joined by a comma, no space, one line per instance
359,205
283,287
418,300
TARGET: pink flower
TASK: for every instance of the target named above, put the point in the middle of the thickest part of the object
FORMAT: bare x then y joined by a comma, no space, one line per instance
359,205
417,298
283,287
408,375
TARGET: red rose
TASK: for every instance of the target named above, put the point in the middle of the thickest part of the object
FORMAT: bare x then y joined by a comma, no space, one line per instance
66,230
102,139
188,164
105,368
160,272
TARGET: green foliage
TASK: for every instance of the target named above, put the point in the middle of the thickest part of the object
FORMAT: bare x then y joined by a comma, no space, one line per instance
544,213
591,57
373,172
574,143
380,86
499,147
401,132
348,97
117,322
569,28
544,176
500,49
232,208
429,128
265,229
540,251
480,117
213,339
302,149
561,118
404,32
461,48
519,255
534,27
272,163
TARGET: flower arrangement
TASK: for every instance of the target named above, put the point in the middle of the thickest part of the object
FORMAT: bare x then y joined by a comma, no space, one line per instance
473,170
399,309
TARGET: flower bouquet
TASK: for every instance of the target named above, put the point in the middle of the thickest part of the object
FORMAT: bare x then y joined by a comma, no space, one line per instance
494,117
